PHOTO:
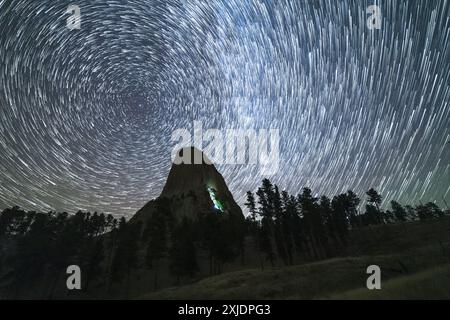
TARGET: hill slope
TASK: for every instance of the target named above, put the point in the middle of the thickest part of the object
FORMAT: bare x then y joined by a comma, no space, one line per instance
414,259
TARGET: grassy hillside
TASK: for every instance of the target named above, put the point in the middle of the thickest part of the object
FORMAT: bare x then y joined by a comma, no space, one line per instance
433,283
414,259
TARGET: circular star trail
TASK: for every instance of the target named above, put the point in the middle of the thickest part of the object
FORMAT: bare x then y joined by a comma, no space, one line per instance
86,116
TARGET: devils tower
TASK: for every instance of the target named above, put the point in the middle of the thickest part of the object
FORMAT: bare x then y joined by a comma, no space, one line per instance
193,188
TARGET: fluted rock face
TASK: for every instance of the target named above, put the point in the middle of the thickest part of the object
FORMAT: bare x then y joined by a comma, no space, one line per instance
191,172
194,187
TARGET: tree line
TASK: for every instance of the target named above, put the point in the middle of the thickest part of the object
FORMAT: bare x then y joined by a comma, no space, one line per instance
281,227
284,226
34,243
108,249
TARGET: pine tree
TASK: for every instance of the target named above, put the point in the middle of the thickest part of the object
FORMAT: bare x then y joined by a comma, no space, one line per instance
125,258
340,218
279,232
251,205
182,253
373,211
253,226
287,224
313,223
398,211
266,200
155,235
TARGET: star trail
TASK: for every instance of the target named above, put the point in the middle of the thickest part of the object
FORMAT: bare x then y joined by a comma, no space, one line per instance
86,116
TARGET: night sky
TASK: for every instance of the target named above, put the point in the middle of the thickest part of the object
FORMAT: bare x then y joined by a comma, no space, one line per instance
86,116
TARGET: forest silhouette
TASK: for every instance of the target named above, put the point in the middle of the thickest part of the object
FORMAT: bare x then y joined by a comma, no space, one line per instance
281,227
